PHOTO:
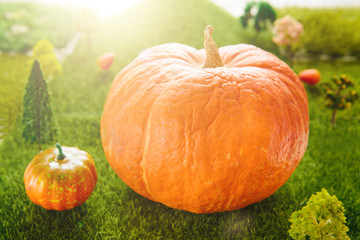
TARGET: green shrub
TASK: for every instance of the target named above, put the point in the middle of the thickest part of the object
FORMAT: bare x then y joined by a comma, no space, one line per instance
322,218
332,31
44,52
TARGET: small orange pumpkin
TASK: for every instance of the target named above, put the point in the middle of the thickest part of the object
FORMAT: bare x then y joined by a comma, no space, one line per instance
105,61
310,76
60,178
205,131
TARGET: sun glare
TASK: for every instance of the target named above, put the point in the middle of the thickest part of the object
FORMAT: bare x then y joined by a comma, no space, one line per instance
103,8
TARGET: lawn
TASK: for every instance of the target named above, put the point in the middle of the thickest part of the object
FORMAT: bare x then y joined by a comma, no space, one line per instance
14,71
114,211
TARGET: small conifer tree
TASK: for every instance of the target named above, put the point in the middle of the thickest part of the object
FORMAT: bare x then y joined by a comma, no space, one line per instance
38,121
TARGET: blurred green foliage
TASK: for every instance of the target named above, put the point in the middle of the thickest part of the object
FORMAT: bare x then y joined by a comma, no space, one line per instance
23,24
261,13
14,71
44,52
331,31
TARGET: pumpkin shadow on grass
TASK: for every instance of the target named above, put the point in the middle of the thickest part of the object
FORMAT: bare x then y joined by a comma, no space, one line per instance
62,221
158,220
244,223
271,214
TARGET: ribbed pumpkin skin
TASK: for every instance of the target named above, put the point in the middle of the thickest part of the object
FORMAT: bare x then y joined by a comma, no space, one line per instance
60,184
205,140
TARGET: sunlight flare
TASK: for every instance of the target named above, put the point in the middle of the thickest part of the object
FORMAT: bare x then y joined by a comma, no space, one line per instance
104,8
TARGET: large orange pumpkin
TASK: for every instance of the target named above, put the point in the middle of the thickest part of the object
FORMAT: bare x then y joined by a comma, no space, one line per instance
205,131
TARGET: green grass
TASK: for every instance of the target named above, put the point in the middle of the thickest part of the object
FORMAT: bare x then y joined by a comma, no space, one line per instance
114,211
14,71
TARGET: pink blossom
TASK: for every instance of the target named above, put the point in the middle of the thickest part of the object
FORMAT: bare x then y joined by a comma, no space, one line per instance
287,31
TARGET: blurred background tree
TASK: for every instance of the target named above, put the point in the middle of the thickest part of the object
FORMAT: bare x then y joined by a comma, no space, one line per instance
44,52
87,22
262,13
287,32
338,95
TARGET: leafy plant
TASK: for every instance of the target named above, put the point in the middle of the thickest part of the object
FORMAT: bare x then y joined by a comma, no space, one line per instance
321,219
38,120
338,96
44,52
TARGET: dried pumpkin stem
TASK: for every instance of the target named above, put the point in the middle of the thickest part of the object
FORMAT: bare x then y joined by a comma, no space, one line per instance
213,59
61,155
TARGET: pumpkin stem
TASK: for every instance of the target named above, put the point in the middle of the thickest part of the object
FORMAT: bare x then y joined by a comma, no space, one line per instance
213,59
61,155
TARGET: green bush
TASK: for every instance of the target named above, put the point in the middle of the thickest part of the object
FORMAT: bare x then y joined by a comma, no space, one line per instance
322,218
332,31
44,52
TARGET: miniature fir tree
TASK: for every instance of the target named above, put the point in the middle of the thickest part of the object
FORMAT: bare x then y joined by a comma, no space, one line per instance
321,219
338,95
38,120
